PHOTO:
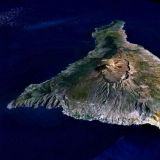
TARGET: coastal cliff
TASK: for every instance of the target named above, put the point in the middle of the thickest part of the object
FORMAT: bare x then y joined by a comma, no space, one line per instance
118,82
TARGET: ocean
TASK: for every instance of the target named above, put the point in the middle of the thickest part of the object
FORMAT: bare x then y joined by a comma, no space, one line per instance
38,39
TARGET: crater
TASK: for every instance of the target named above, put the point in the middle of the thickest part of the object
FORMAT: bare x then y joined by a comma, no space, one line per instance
114,69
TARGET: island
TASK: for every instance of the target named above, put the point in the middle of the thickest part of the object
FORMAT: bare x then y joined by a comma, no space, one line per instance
118,83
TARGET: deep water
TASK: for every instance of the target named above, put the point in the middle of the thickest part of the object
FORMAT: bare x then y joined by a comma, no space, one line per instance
34,55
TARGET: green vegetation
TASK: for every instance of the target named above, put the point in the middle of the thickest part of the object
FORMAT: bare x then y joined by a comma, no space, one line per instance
150,80
80,91
155,93
142,65
28,95
77,114
46,89
88,116
78,73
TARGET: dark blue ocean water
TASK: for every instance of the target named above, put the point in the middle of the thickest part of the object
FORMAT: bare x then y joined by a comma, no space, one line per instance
40,40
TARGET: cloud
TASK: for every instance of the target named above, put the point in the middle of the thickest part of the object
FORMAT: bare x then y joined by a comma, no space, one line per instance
9,17
46,24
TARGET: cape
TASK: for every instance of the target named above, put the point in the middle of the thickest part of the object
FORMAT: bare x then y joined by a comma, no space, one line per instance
118,82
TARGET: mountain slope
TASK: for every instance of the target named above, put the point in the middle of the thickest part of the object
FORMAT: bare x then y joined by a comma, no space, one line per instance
118,82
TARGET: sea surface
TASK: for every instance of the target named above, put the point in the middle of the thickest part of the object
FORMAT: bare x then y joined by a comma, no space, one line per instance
38,39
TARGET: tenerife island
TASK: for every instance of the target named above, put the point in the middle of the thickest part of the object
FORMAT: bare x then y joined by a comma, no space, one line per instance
118,83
